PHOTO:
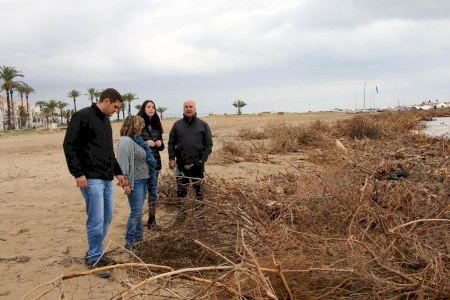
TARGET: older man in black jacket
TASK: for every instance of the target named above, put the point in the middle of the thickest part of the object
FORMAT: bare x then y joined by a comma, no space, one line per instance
190,144
88,147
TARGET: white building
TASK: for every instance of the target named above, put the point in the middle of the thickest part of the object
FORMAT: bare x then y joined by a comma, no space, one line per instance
14,112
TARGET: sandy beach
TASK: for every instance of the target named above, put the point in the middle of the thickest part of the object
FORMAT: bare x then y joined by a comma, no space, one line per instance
42,213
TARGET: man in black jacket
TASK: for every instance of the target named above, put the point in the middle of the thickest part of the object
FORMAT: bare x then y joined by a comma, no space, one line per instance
88,147
190,144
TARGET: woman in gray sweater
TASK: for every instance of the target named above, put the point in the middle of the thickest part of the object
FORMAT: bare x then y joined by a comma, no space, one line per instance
133,162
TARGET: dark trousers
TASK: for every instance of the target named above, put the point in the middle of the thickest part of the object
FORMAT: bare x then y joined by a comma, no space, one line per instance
192,176
152,190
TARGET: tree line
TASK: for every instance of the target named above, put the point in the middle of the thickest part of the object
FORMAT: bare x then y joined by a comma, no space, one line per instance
127,97
10,79
47,108
21,116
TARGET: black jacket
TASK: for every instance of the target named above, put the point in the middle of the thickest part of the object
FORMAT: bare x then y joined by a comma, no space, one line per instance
148,133
190,141
88,145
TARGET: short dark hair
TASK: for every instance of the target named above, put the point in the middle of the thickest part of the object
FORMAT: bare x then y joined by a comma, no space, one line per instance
111,94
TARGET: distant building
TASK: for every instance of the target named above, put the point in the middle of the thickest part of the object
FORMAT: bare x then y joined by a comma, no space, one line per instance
432,105
14,112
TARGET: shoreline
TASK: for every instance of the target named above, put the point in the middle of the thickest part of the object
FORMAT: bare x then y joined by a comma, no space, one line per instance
438,127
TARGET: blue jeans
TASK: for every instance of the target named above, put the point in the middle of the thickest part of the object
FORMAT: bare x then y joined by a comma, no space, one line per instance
99,208
136,199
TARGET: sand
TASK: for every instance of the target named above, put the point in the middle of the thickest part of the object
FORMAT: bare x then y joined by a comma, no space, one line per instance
42,213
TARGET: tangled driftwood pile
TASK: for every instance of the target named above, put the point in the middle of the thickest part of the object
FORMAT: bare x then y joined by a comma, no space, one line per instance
374,224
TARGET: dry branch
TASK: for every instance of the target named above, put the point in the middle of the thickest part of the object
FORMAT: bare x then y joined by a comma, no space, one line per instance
418,221
331,233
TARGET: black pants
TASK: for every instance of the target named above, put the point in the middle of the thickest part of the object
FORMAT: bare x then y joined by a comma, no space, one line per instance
192,176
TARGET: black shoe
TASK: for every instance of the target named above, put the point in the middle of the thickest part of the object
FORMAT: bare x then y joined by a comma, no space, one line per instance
104,261
151,222
101,274
152,225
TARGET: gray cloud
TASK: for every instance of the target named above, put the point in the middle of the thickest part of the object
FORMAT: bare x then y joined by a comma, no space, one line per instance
277,55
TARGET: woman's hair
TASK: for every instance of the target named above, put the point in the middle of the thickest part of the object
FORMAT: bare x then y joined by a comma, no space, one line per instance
132,126
154,121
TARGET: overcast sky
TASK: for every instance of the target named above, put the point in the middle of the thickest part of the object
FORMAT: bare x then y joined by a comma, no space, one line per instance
275,55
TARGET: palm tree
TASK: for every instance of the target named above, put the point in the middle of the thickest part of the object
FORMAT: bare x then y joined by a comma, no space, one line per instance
118,112
92,94
74,94
21,88
46,113
161,109
129,97
23,116
61,105
123,110
97,95
239,104
28,91
8,75
42,105
48,108
13,109
68,113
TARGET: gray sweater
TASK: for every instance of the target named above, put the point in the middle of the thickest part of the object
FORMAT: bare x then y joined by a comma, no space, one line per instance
125,158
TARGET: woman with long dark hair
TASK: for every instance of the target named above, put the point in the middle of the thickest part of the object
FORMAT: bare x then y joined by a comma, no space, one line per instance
152,134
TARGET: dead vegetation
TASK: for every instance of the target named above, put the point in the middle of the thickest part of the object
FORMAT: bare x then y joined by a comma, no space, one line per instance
285,138
374,224
252,134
